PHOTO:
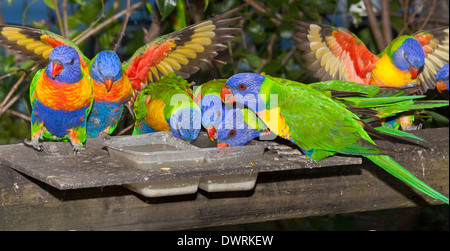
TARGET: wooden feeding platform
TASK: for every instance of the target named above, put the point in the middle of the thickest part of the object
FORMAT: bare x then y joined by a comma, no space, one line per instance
266,180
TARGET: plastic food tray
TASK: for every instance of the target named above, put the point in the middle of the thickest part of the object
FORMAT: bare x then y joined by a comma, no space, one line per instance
162,150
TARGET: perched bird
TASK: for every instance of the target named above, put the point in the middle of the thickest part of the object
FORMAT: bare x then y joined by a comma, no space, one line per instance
208,98
112,91
167,105
409,62
61,98
316,123
442,81
112,88
183,52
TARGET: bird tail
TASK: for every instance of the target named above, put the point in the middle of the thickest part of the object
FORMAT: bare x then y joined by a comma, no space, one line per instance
392,167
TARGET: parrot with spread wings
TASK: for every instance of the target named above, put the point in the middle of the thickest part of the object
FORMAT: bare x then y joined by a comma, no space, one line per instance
408,62
183,52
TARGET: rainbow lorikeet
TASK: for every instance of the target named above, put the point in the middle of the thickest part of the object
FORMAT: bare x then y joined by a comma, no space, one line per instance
112,91
407,62
167,105
208,98
112,88
372,104
183,52
61,98
442,80
319,125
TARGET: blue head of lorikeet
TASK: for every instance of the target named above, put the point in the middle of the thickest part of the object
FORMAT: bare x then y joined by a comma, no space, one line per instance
106,68
248,85
235,130
409,56
64,65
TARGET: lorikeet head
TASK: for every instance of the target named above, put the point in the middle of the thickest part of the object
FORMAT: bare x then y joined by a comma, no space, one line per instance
245,88
106,68
235,129
64,65
442,79
407,54
185,122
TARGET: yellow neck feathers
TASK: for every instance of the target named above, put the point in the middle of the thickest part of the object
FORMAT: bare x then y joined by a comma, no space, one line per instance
386,74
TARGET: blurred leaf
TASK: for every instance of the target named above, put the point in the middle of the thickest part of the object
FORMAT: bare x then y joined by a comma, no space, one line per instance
149,8
88,12
253,60
50,4
179,20
272,67
73,22
166,7
257,32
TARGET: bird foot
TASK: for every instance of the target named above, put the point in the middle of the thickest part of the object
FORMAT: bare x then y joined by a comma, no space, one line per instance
35,144
77,148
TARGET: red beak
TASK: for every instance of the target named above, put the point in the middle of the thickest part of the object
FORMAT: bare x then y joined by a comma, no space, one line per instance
211,131
414,72
227,96
57,68
441,86
108,83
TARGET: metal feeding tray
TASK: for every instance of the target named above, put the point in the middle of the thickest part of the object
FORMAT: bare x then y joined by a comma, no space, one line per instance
162,150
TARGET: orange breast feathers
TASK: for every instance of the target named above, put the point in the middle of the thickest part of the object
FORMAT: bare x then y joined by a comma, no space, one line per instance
62,96
120,90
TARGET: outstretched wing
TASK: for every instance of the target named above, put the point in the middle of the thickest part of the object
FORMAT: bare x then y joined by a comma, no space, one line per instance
435,45
334,53
181,52
35,44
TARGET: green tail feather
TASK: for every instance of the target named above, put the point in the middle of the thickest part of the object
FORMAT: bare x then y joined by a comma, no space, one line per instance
375,102
390,130
401,173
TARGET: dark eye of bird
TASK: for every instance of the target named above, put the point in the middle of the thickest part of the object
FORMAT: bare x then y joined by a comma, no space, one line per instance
232,133
71,61
242,86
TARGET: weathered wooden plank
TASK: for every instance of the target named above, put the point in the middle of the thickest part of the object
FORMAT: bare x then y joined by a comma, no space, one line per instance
28,204
94,168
